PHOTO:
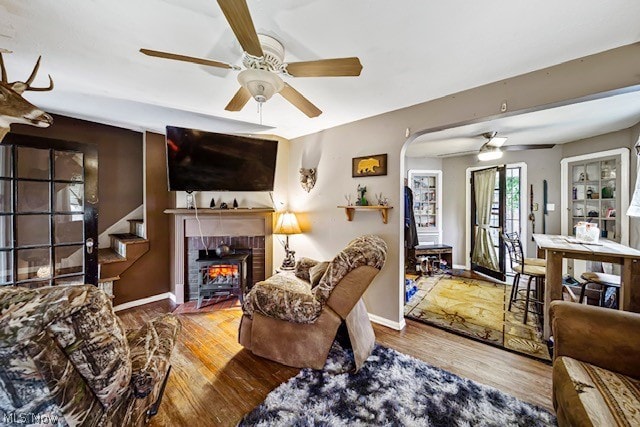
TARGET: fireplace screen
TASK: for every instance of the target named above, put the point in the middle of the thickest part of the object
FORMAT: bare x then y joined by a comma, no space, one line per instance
224,274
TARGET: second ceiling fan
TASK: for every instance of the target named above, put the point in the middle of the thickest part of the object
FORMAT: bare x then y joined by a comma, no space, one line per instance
263,59
494,146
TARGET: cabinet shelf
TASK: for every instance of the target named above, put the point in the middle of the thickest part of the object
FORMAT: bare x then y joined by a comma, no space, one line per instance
597,176
426,186
351,210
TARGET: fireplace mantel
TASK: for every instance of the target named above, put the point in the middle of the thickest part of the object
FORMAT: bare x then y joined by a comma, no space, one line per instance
230,211
215,222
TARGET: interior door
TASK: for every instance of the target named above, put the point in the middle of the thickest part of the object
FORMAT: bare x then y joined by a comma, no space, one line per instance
48,212
488,213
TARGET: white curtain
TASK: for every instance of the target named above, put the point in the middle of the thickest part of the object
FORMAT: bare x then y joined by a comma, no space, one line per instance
484,254
634,206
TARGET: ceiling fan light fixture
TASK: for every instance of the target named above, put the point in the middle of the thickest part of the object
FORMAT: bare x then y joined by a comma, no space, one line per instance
261,84
489,153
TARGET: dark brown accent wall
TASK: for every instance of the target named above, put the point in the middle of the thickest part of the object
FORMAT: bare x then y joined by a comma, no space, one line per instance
149,275
119,162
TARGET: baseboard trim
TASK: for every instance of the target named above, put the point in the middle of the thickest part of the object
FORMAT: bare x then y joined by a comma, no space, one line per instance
142,301
459,266
398,326
172,296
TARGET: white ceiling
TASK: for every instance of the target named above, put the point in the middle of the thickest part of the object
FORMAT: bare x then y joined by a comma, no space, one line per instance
412,51
551,126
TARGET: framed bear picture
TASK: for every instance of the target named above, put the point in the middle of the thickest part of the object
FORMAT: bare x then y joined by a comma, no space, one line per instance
374,165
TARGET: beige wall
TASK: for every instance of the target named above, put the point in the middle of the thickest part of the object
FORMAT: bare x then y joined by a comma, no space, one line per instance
422,163
329,231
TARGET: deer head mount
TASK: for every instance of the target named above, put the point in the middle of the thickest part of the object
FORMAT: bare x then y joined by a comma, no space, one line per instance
14,108
308,178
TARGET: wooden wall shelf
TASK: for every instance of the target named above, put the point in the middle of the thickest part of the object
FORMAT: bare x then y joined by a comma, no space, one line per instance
351,210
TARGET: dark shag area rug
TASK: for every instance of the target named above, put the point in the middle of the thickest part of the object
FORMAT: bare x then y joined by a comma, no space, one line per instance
392,389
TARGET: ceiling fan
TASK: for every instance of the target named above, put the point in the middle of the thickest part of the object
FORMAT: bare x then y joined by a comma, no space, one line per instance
263,59
493,147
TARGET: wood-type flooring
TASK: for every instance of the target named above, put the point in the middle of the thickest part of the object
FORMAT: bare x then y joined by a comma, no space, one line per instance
214,381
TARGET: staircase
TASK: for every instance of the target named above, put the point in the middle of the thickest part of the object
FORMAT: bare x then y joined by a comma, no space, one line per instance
125,250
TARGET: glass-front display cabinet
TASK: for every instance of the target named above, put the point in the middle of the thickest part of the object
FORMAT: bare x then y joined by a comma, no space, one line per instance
595,187
426,186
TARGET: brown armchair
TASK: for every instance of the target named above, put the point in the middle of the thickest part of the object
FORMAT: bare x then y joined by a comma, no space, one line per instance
65,356
289,320
596,366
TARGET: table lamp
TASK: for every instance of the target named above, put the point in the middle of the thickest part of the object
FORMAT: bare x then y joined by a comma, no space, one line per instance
287,224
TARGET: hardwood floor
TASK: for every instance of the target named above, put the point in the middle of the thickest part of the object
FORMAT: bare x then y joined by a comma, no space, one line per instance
214,381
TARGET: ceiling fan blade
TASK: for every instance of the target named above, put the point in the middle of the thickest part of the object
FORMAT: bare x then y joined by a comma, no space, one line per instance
497,141
299,101
239,18
335,67
177,57
526,147
461,153
239,100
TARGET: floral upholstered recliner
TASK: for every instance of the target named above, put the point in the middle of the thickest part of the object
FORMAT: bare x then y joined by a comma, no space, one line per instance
293,318
66,360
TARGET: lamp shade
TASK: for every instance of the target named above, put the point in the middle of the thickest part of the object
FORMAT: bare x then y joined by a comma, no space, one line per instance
287,224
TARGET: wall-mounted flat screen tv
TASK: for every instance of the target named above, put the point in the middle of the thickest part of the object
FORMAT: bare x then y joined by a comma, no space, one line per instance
208,161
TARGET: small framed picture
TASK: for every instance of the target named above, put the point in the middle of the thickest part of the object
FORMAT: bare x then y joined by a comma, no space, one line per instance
374,165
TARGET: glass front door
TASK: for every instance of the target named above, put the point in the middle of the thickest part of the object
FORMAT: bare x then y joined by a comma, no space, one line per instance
488,200
48,212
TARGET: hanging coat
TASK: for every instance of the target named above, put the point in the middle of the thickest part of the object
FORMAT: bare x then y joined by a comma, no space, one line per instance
410,230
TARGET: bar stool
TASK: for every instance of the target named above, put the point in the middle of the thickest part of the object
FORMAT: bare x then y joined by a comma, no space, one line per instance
524,266
604,281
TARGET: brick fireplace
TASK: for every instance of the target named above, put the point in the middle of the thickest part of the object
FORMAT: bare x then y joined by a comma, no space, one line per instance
245,229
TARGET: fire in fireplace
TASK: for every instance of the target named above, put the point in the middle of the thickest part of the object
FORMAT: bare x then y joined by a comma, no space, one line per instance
223,274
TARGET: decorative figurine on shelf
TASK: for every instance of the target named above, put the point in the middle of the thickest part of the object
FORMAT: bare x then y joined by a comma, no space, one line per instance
347,197
589,193
223,205
362,200
235,204
381,200
212,204
190,202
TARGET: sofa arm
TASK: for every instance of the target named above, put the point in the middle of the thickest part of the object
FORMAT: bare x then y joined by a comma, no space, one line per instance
602,337
151,348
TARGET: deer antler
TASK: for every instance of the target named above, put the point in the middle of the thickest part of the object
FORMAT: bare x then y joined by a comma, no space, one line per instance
33,76
21,87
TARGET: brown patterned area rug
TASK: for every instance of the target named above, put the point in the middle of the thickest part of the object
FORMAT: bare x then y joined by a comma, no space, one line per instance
478,309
